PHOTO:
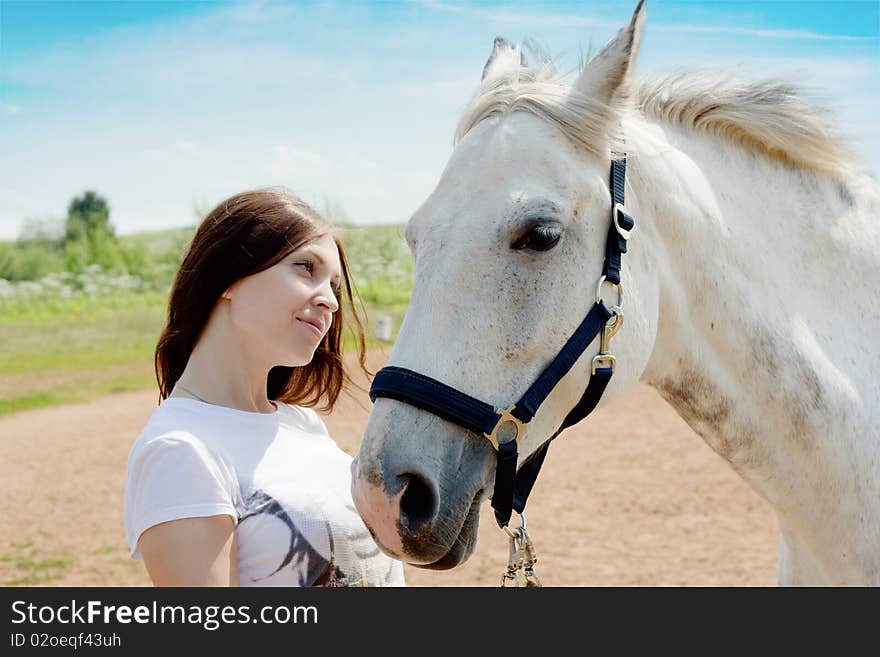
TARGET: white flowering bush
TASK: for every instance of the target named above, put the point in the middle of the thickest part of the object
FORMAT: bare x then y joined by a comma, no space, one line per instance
63,292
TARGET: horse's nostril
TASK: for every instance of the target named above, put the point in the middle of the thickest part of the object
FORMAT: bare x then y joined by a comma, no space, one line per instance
418,504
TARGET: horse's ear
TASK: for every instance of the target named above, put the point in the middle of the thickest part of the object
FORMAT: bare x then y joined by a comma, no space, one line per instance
504,57
606,76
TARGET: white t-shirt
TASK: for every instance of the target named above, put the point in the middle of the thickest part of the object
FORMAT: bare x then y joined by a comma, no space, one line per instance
281,478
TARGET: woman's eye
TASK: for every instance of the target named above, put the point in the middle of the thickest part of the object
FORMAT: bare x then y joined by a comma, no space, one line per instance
538,238
308,265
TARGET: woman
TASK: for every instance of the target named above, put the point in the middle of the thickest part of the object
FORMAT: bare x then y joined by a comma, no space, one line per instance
235,481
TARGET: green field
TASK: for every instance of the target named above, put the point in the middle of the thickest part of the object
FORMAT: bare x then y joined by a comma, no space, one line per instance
74,336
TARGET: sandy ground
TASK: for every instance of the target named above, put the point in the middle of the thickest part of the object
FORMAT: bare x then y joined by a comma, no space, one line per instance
629,497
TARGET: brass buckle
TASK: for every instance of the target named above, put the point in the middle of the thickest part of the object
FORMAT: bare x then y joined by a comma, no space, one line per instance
624,233
506,416
600,359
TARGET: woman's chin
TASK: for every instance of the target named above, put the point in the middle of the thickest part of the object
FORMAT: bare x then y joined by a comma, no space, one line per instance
298,358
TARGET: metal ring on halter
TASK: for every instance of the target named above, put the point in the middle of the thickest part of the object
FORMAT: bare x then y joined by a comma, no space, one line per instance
515,533
505,416
619,286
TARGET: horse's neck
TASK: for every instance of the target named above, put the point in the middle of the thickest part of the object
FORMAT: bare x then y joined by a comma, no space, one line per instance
756,347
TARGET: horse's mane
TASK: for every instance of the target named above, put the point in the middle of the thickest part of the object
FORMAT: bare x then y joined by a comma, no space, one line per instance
769,116
766,116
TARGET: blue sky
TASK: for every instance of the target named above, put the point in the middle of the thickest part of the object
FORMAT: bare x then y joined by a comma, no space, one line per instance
164,106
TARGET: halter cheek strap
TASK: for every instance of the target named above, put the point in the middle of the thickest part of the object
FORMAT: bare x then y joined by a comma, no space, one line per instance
503,427
619,233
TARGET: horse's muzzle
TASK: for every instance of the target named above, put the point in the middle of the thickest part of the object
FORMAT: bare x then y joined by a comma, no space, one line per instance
405,521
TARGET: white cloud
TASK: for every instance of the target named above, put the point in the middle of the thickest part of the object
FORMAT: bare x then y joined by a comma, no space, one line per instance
186,147
367,188
9,109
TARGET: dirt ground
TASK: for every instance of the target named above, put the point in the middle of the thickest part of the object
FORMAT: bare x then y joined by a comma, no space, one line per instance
629,497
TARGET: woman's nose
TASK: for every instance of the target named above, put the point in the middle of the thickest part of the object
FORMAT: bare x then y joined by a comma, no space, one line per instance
328,300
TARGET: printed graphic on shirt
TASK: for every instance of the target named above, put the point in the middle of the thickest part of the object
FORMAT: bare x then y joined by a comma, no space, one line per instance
313,554
301,556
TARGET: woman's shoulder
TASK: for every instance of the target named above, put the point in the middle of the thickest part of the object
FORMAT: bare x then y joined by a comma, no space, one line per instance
173,442
175,424
303,418
161,431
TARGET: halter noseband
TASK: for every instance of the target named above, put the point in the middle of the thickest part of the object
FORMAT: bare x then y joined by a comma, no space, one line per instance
504,427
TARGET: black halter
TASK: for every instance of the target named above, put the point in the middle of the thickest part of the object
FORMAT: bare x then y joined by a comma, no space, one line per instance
504,426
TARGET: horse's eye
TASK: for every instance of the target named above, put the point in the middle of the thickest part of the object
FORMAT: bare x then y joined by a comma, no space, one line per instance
541,237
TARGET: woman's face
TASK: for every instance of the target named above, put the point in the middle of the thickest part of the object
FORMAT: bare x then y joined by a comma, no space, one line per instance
285,311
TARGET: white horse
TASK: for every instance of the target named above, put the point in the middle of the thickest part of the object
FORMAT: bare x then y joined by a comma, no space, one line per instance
751,298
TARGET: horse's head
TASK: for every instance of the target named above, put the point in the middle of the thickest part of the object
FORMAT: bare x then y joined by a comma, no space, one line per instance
508,250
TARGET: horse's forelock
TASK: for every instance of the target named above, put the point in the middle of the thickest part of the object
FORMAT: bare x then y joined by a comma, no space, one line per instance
543,92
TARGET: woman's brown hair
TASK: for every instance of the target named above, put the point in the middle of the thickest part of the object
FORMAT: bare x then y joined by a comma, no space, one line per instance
244,235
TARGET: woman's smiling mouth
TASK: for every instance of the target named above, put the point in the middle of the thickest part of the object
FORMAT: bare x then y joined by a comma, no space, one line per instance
312,326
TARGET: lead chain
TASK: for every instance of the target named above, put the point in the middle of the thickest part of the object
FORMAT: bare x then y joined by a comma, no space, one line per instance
530,558
515,560
521,557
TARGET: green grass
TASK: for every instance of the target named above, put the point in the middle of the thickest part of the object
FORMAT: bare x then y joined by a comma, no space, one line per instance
103,337
80,390
80,309
24,567
44,363
77,349
94,358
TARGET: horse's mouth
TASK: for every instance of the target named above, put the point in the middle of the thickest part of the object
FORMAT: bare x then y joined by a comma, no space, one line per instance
464,543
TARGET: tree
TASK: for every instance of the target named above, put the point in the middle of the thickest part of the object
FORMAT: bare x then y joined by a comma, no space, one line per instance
87,216
89,237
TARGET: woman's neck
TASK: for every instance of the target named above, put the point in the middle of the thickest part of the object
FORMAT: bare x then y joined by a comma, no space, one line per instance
224,370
